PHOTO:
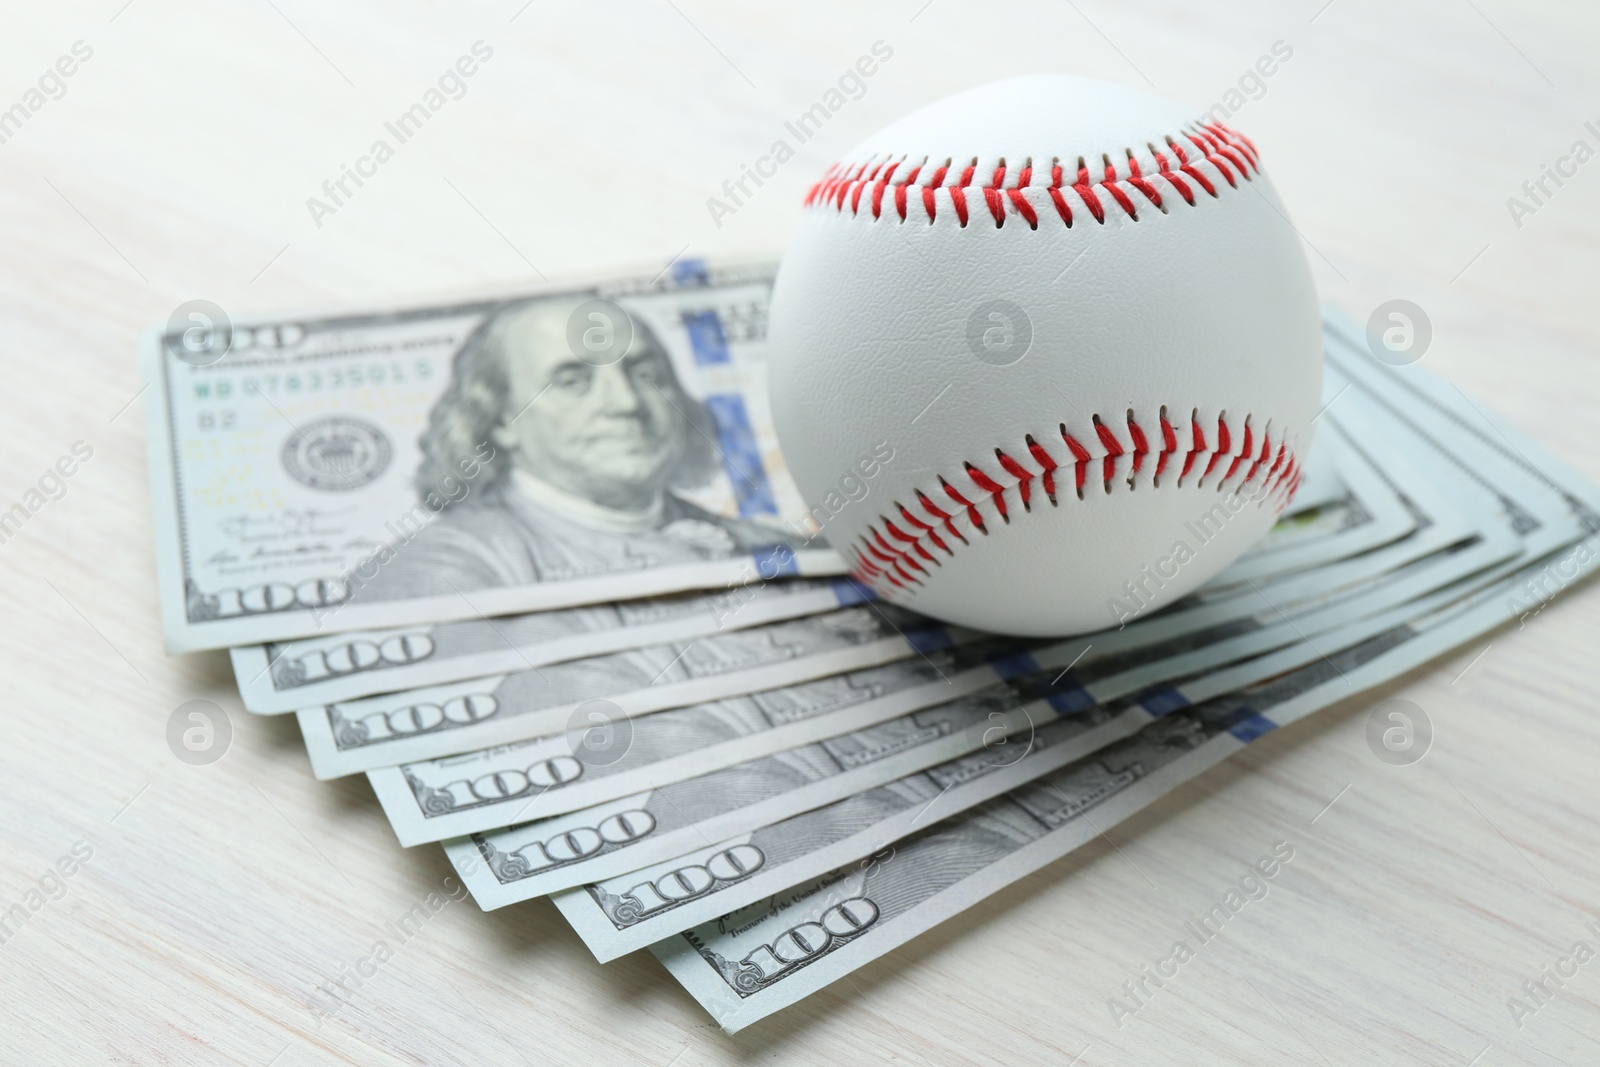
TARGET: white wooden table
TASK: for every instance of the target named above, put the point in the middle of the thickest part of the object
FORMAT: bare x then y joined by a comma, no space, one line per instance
177,164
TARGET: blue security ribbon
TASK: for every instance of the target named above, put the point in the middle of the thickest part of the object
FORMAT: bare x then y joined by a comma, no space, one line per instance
707,339
848,591
774,561
931,638
1249,725
741,457
691,271
1162,700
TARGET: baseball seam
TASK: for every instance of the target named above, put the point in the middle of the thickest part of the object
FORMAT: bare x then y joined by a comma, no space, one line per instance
900,554
1211,145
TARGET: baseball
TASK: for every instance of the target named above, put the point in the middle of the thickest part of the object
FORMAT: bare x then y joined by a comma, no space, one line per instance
1045,355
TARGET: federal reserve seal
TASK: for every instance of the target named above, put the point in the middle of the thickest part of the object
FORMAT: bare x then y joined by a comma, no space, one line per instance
334,453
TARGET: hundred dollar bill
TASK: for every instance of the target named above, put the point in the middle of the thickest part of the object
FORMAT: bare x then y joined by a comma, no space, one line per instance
685,803
745,964
386,730
329,472
286,676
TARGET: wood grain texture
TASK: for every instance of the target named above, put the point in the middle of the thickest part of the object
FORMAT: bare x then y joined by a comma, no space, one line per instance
177,165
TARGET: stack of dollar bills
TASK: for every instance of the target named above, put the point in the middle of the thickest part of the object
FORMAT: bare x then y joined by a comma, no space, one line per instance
575,624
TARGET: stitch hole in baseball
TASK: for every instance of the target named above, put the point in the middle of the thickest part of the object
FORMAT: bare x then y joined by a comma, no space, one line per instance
1204,304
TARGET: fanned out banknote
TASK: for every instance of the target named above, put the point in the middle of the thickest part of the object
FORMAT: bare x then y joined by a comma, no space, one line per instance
746,964
769,954
535,565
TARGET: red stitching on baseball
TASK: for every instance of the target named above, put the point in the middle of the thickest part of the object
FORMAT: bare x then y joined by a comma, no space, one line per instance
894,559
1225,151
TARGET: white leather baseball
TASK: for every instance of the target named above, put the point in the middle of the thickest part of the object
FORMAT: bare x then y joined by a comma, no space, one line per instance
1079,325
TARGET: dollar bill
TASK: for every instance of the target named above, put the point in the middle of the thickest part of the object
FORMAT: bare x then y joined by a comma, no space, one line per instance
1551,509
320,473
622,835
285,676
385,730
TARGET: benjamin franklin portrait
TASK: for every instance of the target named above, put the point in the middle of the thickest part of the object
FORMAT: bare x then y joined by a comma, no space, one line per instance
544,466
